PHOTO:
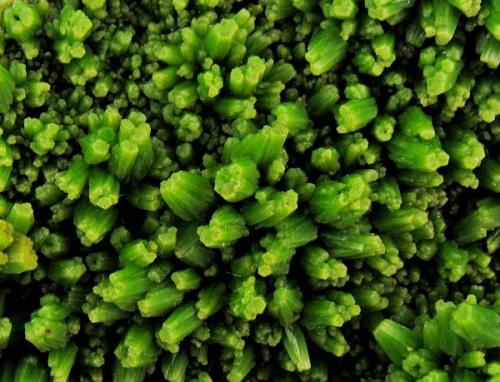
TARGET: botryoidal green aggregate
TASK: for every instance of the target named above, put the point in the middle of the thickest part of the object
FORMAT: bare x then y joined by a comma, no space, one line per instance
277,190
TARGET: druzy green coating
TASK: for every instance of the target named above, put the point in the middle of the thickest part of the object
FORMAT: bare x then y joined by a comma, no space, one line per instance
274,190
